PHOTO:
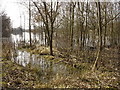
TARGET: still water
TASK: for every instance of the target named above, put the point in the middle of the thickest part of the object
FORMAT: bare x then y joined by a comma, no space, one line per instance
48,70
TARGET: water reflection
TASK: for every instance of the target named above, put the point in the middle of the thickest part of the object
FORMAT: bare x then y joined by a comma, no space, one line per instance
47,69
23,58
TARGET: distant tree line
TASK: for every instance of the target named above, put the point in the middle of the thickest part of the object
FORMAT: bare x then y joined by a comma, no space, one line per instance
6,25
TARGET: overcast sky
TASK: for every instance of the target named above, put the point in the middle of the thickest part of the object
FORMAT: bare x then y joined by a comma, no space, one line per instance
14,10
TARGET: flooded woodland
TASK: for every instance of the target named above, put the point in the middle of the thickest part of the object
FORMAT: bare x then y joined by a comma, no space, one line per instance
67,45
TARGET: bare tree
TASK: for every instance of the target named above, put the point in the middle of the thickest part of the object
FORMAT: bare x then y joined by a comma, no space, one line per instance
100,34
49,17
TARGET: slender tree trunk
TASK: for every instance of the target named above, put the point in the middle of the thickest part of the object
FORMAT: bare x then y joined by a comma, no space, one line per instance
30,23
82,34
78,31
85,36
51,34
112,33
51,43
100,35
82,27
24,28
45,39
105,25
72,24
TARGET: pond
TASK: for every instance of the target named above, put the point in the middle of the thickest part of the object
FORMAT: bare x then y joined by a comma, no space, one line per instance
48,70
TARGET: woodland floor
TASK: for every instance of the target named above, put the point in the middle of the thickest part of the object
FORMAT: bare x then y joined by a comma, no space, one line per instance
106,74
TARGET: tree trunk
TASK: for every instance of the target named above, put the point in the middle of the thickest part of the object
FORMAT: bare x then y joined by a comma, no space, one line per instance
105,26
24,28
51,44
51,34
72,25
100,35
30,24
